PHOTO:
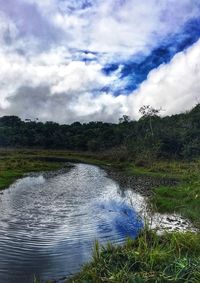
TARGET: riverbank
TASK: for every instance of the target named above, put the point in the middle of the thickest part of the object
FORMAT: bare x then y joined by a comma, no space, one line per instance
150,258
172,257
174,186
14,163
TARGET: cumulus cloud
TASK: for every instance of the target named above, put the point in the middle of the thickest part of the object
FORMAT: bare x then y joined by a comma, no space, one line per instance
54,53
175,86
103,26
59,75
124,26
33,103
56,89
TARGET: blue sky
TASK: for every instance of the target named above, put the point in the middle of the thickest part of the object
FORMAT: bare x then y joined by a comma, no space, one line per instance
83,60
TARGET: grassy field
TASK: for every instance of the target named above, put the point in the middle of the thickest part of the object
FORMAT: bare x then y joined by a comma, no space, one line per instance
174,257
15,163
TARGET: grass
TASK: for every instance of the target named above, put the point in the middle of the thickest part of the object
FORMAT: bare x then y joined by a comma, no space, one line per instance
180,170
8,174
15,163
173,257
151,258
183,199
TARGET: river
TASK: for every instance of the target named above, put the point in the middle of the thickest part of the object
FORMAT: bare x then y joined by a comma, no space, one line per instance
48,225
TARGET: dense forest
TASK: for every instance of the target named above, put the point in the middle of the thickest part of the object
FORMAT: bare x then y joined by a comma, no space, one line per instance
176,136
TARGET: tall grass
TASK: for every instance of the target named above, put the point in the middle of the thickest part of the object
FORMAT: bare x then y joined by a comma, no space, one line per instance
173,257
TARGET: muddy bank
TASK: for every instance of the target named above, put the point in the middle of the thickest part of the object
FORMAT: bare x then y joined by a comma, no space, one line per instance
143,185
143,188
171,223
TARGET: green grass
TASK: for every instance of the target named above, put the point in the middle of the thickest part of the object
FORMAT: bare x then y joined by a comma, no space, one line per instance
14,166
150,258
171,169
173,257
184,199
15,163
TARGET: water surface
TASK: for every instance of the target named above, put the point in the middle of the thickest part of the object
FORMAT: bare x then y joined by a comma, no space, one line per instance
48,226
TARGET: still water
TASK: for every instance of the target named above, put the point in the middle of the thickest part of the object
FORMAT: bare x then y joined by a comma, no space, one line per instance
48,226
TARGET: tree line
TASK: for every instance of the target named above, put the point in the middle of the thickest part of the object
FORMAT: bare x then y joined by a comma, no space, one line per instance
176,136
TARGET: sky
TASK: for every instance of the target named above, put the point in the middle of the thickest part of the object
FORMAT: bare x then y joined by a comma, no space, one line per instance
96,60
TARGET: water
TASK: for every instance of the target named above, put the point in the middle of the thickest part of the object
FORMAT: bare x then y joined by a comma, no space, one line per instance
48,226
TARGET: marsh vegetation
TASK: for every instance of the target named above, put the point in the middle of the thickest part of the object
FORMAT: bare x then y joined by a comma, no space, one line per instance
130,148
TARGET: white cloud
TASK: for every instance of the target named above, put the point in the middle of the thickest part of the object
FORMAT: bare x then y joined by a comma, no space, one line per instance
124,26
112,26
49,84
52,88
103,106
50,70
175,86
64,92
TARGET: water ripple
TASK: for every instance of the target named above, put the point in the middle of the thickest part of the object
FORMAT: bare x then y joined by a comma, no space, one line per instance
48,226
